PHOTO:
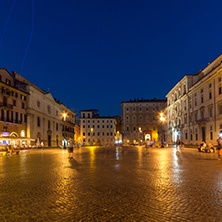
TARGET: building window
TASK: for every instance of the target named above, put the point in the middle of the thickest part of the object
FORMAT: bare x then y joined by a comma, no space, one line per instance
220,109
191,137
98,133
127,128
219,79
38,121
8,82
88,121
202,99
219,90
211,135
103,126
98,126
88,134
107,134
23,105
210,95
83,115
210,112
185,119
49,124
196,136
88,126
14,102
107,126
134,109
111,126
111,134
83,126
57,126
134,128
88,140
202,114
127,109
88,115
210,85
83,133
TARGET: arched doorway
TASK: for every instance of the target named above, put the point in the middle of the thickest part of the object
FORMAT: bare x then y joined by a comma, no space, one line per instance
49,132
57,140
147,137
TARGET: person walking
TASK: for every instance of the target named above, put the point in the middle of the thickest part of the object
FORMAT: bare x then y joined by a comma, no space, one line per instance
70,149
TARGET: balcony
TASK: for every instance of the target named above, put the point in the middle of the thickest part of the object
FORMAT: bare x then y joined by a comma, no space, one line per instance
2,104
203,120
5,91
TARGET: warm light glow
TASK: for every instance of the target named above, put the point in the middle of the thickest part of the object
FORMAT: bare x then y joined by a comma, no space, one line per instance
140,129
91,130
162,118
64,115
23,133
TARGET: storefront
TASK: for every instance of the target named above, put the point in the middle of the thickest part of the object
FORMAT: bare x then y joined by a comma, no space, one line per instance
7,138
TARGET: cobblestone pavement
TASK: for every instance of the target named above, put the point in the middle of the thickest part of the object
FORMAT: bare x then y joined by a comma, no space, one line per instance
111,184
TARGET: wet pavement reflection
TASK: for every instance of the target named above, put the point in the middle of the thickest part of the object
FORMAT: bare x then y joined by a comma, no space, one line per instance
111,184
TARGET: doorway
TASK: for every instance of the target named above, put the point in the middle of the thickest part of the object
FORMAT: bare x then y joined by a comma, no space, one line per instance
49,140
203,134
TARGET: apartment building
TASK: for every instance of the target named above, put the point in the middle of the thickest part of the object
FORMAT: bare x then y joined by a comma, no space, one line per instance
96,129
194,106
140,119
13,104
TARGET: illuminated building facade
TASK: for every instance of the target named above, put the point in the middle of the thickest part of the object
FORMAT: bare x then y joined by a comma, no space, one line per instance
68,125
194,106
97,130
45,120
13,104
140,119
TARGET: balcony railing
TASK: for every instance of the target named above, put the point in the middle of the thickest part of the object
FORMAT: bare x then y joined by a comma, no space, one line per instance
2,104
202,120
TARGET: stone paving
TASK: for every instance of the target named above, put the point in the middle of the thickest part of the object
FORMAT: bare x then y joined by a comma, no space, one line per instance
111,184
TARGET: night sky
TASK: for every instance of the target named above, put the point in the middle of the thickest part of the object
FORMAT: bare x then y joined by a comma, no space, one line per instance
95,54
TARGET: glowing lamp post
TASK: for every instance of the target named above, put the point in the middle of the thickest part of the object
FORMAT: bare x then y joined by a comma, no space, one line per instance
140,135
64,115
162,120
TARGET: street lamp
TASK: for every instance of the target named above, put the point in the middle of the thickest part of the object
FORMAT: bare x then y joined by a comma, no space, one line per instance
162,120
64,115
140,132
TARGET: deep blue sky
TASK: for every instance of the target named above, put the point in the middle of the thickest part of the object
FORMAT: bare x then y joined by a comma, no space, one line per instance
95,54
